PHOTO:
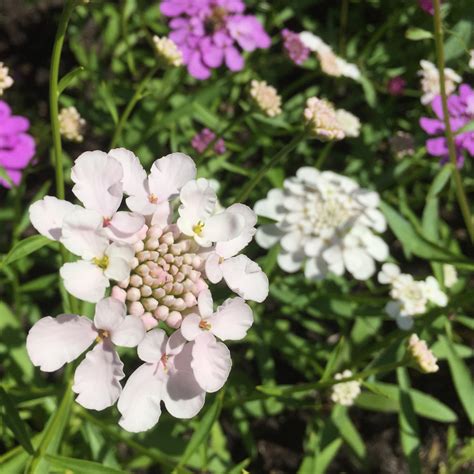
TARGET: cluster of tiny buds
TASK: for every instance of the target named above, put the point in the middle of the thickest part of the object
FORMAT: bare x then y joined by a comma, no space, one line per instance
166,277
321,120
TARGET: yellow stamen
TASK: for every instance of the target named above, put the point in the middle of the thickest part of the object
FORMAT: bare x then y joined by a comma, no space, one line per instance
153,198
204,325
197,229
101,262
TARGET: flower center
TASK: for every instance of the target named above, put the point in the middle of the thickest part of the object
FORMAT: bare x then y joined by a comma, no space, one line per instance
216,20
106,221
101,262
103,334
197,229
153,198
164,361
204,325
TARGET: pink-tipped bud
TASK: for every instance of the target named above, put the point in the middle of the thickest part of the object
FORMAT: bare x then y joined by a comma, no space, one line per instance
167,238
161,313
124,283
190,300
155,232
152,244
133,294
138,246
174,319
145,290
136,308
136,280
149,321
150,304
158,293
119,294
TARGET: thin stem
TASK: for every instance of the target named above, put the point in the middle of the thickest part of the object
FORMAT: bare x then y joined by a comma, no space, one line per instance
342,37
461,195
54,95
244,194
130,106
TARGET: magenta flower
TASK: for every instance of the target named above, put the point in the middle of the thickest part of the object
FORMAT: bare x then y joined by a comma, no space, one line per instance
209,33
461,112
427,6
202,139
294,48
396,86
17,148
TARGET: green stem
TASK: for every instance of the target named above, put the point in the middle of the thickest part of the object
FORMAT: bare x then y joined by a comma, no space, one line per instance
461,195
130,106
244,194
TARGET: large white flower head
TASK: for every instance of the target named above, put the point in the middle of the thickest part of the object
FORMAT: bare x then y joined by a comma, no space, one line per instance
324,222
5,80
410,297
164,272
345,393
430,81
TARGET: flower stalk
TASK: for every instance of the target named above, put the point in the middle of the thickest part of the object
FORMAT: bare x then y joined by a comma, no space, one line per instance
460,193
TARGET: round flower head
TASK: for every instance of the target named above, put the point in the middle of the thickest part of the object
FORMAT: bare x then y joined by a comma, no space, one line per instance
201,141
396,86
402,144
321,120
168,51
345,393
294,48
5,80
450,275
349,123
325,222
430,81
71,124
422,356
266,98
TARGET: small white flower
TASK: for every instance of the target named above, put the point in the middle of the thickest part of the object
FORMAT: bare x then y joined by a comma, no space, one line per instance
321,120
266,98
471,59
346,392
71,124
424,358
450,275
349,123
168,51
430,81
5,80
325,222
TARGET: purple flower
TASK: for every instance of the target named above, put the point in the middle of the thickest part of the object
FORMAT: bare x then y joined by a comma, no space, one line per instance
396,86
209,33
17,148
202,139
427,6
294,48
461,112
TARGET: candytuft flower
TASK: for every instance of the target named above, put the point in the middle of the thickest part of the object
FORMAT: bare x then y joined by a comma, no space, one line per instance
349,123
345,393
430,81
321,120
5,80
17,147
168,51
266,98
396,86
294,48
71,124
324,222
422,356
201,141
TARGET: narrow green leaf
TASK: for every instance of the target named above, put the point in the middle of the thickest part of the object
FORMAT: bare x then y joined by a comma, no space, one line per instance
68,78
5,176
79,466
348,431
25,247
239,468
14,422
417,34
109,101
327,455
440,180
333,360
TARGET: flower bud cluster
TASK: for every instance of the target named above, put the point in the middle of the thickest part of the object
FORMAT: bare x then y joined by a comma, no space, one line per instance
345,393
424,358
321,120
5,80
71,124
266,98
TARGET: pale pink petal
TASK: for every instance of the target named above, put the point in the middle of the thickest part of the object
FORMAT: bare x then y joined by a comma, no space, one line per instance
153,346
53,342
213,269
84,280
97,379
175,343
198,200
120,261
246,278
190,327
98,182
223,227
162,214
211,362
140,203
139,402
169,174
134,175
83,234
129,333
47,216
125,226
232,320
205,303
109,314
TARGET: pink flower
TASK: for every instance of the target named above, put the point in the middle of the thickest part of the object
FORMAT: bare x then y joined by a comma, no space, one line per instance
17,148
202,140
396,86
294,48
427,6
53,342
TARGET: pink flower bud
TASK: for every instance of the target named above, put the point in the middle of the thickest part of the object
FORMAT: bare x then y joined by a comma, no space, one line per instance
174,319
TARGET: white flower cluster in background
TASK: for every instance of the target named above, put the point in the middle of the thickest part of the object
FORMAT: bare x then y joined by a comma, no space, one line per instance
430,81
168,51
345,393
5,80
71,124
266,98
422,355
324,222
321,121
163,271
331,64
349,123
410,297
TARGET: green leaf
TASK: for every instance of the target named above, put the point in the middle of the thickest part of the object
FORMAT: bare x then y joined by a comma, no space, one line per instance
5,176
25,247
348,431
459,38
202,431
14,422
68,78
417,34
369,91
79,466
461,378
333,361
109,102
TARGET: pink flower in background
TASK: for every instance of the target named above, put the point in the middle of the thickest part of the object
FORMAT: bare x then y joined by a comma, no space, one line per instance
209,33
202,139
427,6
461,112
294,48
17,148
396,86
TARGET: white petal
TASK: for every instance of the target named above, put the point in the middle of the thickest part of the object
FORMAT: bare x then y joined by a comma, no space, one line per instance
404,322
97,379
175,343
367,198
333,257
182,395
153,346
292,242
198,201
125,226
359,263
190,326
53,342
376,247
389,272
130,332
139,402
377,220
205,303
272,206
268,235
47,216
223,227
170,173
120,261
84,280
290,262
141,204
98,185
211,362
232,320
213,269
246,278
313,247
162,214
315,269
109,314
134,175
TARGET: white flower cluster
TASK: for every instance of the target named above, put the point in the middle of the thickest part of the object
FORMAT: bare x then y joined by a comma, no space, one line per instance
331,64
424,358
168,51
410,297
345,393
321,120
325,222
349,123
163,270
71,124
5,80
266,98
430,81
